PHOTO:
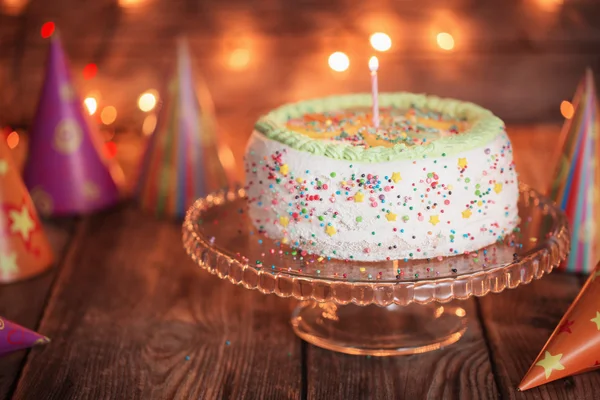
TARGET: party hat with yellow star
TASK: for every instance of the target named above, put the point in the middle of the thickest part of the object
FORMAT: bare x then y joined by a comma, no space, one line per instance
24,250
574,346
576,184
14,337
66,170
182,160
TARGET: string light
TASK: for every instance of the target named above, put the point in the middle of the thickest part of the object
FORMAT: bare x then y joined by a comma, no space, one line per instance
381,41
12,140
47,29
131,3
339,61
239,59
149,124
147,100
108,115
13,7
90,71
226,157
111,149
91,104
445,41
566,109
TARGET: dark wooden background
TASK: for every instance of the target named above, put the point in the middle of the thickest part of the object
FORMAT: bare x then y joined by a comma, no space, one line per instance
520,58
124,306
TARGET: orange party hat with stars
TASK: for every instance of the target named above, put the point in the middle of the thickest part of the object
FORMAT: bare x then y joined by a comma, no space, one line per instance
574,346
24,249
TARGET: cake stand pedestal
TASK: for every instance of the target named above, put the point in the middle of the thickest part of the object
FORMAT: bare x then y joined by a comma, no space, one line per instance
373,308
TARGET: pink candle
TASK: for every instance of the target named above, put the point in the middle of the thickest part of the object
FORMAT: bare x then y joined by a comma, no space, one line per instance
373,65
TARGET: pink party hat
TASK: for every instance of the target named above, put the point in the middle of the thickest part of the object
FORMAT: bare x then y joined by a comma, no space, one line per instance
181,162
576,183
14,337
66,170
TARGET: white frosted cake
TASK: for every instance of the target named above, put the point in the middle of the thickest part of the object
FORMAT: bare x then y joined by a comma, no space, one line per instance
436,178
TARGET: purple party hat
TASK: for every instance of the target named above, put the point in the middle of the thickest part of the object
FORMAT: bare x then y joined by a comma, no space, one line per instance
181,162
66,170
14,337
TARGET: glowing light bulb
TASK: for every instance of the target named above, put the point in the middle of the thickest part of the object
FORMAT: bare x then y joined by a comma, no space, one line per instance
339,61
566,109
12,140
47,30
90,71
13,7
239,59
445,41
147,100
149,124
108,115
131,3
91,104
381,41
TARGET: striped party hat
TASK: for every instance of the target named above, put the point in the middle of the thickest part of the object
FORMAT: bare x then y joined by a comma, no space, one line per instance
576,182
181,162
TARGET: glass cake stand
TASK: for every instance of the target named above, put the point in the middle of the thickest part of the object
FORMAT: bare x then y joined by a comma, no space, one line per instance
373,308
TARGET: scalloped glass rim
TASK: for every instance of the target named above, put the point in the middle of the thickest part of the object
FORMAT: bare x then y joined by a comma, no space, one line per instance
532,264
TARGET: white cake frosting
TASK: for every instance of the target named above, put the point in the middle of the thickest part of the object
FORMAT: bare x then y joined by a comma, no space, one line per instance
406,208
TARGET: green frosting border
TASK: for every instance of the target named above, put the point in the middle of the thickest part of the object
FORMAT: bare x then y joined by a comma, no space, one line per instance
484,127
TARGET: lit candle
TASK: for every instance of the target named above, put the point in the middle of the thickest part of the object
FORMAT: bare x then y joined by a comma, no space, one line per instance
373,65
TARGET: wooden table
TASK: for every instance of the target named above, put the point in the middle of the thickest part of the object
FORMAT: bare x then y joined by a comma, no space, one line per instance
131,317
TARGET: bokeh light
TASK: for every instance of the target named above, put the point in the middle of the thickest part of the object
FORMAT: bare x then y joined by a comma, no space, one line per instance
149,124
445,41
47,29
549,5
13,7
239,59
566,109
91,104
12,140
108,115
131,3
381,41
111,149
147,100
90,71
226,157
339,61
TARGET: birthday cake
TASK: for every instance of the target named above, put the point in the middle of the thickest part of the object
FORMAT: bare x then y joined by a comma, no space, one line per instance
435,178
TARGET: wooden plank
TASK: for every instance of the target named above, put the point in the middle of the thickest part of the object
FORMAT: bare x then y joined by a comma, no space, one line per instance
460,371
24,302
129,307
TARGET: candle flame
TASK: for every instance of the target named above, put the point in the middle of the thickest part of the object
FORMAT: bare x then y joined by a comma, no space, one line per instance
373,64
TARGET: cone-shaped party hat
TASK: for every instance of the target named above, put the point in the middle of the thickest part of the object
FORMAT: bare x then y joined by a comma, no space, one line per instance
24,250
574,346
576,182
14,337
181,162
66,170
